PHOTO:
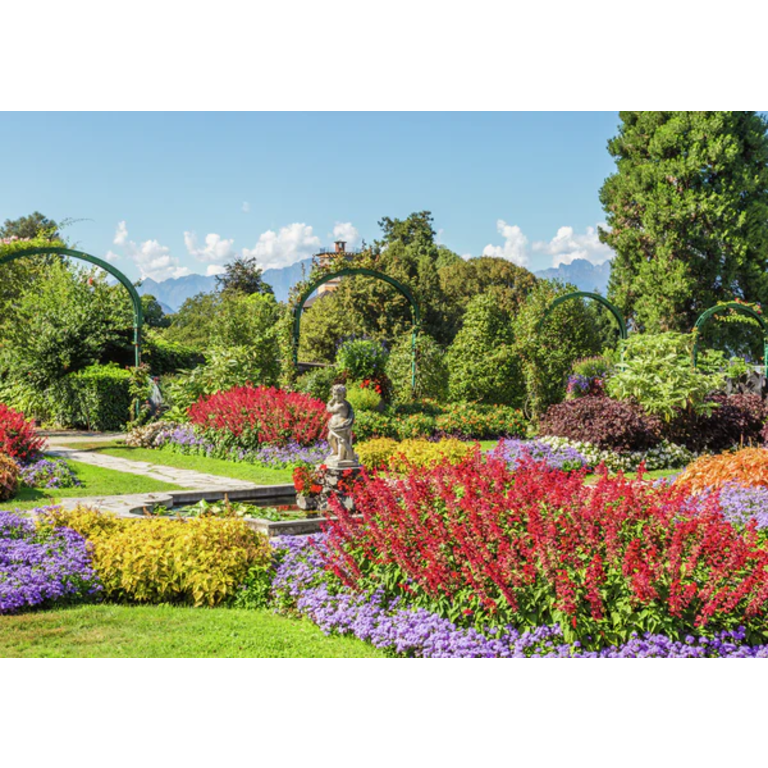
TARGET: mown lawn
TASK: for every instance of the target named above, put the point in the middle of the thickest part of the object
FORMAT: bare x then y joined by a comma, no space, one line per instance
96,481
237,469
115,631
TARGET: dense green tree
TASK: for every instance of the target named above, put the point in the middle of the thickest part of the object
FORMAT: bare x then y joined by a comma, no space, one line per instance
242,275
27,227
191,324
415,230
482,363
687,211
547,349
154,317
463,279
71,318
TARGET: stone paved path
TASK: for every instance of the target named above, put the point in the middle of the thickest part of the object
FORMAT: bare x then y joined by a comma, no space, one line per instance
196,485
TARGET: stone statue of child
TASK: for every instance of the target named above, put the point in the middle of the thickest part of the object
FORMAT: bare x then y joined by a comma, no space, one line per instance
340,429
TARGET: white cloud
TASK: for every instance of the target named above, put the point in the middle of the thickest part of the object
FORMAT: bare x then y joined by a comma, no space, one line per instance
151,258
121,234
246,207
346,232
215,269
566,246
281,249
515,244
216,250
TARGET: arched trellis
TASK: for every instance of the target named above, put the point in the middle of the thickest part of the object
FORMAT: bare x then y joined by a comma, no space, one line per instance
138,316
403,289
586,295
741,309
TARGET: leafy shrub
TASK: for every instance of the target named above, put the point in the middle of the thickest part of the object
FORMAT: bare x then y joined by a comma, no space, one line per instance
658,373
375,453
225,368
604,422
96,398
588,377
9,477
737,419
318,382
431,370
247,417
48,473
597,367
538,547
166,356
361,359
426,405
200,560
41,567
17,435
424,453
546,349
363,398
385,453
482,364
413,426
747,467
372,424
479,422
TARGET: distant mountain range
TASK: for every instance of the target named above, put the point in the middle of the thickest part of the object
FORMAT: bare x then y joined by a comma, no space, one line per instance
172,293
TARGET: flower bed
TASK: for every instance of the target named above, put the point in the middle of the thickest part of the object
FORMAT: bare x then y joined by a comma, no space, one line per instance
49,473
41,567
303,584
483,545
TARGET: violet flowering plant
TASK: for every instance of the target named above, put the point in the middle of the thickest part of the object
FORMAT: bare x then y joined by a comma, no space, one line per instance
302,584
49,473
563,457
41,567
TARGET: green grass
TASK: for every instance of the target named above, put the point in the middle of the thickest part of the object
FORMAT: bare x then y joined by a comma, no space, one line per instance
97,481
114,631
237,469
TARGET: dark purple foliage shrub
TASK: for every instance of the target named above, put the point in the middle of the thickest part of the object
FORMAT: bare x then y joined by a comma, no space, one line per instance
737,420
606,423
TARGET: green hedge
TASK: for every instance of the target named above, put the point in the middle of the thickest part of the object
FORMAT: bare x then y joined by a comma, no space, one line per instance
96,398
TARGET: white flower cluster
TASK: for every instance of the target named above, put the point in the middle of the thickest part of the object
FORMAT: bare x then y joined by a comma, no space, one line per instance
666,455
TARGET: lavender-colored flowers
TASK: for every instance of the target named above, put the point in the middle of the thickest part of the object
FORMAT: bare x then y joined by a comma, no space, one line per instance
740,504
302,583
561,457
39,567
49,473
184,439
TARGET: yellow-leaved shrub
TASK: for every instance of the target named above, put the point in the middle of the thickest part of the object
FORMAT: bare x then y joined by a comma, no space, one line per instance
386,453
375,453
201,560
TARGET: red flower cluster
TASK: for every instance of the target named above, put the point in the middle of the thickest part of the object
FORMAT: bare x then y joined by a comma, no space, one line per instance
376,386
265,415
537,545
17,435
307,480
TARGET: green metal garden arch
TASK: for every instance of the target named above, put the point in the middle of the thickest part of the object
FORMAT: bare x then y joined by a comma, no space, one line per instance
138,316
737,307
403,289
587,295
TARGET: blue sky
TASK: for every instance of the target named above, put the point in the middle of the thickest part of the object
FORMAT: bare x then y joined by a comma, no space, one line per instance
164,194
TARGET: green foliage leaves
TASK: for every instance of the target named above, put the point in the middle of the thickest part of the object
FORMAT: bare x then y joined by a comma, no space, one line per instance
688,214
431,369
658,373
482,362
360,359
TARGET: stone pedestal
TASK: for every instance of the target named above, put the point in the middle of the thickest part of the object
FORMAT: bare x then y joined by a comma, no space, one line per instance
336,482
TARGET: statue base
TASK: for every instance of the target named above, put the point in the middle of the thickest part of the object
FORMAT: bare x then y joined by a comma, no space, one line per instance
337,480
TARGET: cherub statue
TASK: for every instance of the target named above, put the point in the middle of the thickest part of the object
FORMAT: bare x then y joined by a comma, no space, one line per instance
340,429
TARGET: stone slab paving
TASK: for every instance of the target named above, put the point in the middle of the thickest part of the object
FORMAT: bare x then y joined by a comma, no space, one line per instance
195,485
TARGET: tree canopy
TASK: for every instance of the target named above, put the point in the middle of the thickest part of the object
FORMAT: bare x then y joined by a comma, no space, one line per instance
687,211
